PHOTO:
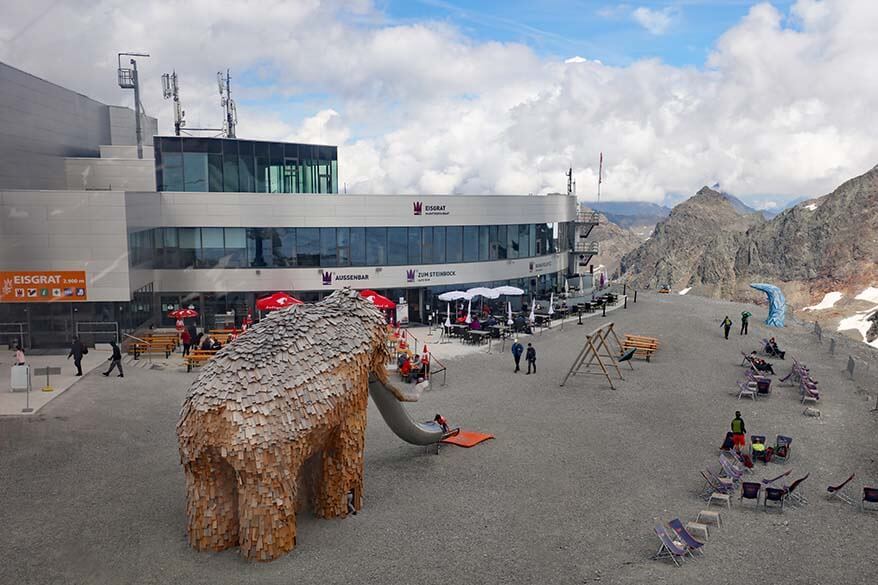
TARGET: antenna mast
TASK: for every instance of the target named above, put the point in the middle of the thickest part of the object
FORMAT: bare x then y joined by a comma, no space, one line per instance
228,104
128,79
170,89
570,181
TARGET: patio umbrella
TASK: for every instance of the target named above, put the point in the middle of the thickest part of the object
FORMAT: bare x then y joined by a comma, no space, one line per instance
448,314
581,283
481,291
513,291
469,306
454,295
533,311
379,301
183,314
552,304
509,313
278,300
566,287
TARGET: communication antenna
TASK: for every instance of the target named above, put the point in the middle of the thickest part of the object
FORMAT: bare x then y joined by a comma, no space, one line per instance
571,183
170,89
128,80
231,111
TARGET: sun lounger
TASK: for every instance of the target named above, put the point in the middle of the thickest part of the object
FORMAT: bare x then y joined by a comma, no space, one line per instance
837,491
669,547
687,538
795,495
750,490
768,482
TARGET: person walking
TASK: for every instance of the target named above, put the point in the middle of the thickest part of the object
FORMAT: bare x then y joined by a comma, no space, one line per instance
745,321
77,350
186,340
115,360
739,432
727,325
517,350
531,357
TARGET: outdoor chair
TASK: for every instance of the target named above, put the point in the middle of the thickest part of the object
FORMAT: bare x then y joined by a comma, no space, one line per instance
782,448
768,482
689,540
870,497
739,461
669,547
838,491
794,492
712,486
747,389
750,491
776,495
730,470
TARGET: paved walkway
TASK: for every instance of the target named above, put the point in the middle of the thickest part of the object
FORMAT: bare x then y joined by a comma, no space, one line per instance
12,403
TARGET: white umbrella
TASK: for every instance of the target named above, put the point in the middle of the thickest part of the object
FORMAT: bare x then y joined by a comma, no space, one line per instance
566,287
581,284
448,315
533,311
481,291
509,313
469,305
552,304
508,290
454,295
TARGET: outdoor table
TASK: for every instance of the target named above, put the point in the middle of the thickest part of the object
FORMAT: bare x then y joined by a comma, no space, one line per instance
457,329
479,336
541,318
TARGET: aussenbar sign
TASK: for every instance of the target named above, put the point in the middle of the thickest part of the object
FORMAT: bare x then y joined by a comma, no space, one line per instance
43,286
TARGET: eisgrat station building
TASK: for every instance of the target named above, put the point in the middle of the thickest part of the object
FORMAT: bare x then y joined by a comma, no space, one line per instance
91,234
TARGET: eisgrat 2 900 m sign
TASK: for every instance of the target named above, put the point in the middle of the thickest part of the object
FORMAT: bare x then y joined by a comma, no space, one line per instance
43,286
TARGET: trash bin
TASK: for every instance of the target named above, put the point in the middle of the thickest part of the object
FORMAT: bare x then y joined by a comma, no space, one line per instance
20,378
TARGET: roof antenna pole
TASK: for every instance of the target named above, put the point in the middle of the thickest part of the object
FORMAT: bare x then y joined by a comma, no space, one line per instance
228,104
600,175
128,80
170,89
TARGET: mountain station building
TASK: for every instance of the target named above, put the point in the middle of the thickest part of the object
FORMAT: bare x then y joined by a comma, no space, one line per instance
91,234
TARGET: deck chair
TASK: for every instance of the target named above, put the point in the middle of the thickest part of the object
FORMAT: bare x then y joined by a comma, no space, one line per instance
794,492
870,497
747,389
750,490
669,548
730,470
776,495
712,486
694,544
768,482
837,491
742,461
782,447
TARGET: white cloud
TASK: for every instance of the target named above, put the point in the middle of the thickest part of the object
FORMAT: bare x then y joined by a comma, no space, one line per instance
421,107
654,21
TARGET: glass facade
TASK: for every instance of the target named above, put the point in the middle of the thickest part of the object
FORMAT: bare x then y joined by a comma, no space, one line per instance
238,247
193,164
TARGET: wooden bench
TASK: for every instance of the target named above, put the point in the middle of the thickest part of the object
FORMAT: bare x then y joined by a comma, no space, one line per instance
154,345
198,357
643,346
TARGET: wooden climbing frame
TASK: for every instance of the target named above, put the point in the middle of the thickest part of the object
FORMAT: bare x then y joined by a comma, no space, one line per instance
597,353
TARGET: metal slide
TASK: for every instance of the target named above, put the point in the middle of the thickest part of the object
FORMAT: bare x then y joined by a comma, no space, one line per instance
399,421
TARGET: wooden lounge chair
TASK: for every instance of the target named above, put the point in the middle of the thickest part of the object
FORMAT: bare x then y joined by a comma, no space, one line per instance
687,538
670,548
837,491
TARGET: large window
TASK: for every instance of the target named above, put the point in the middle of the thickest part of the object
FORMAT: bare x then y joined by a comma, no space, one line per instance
219,164
308,246
233,247
376,246
397,246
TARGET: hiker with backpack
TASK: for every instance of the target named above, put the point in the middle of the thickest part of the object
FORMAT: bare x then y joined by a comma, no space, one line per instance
745,321
726,325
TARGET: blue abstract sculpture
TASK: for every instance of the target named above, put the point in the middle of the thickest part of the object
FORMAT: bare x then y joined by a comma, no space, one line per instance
777,304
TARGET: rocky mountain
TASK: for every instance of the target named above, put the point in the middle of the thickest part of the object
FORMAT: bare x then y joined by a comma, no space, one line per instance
822,245
695,245
615,242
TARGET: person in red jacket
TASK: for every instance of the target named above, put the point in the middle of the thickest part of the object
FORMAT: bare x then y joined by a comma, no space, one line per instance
186,339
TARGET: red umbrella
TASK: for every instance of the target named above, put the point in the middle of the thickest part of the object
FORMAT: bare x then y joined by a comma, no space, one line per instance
377,300
183,314
278,300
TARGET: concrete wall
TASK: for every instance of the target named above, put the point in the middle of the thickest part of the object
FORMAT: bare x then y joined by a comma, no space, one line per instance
110,173
68,230
122,131
40,124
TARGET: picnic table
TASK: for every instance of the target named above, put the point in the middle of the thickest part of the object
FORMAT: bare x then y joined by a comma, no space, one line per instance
457,329
479,336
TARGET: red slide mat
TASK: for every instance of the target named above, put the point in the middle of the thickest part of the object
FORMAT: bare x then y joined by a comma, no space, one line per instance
467,439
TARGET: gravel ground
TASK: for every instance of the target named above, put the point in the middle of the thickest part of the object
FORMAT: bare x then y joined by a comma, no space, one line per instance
91,490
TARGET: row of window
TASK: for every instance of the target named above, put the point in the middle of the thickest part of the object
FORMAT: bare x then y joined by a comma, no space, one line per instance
213,164
338,246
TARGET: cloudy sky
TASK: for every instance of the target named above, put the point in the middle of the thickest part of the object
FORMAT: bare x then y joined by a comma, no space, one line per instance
773,101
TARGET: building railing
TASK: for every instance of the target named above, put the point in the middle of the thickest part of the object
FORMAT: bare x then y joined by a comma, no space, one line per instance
585,247
592,217
98,331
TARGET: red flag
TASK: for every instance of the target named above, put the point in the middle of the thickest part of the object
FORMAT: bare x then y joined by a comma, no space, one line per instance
601,168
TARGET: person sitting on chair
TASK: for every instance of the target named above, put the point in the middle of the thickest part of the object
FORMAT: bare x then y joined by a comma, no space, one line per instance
761,365
490,321
775,350
417,367
405,370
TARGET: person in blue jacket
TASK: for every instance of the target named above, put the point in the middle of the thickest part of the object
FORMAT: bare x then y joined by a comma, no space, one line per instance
517,350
